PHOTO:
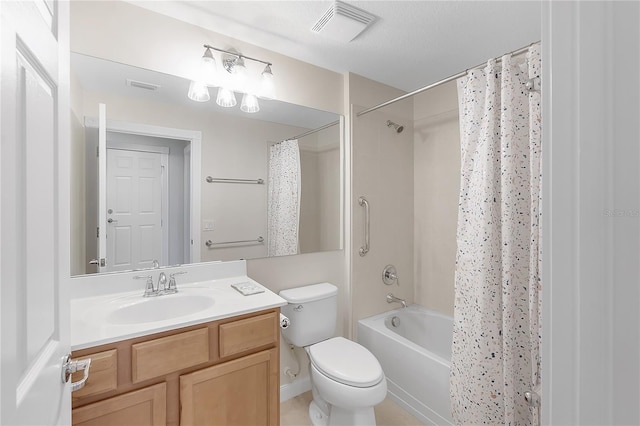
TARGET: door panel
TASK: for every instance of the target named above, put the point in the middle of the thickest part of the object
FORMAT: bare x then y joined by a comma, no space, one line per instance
34,214
134,205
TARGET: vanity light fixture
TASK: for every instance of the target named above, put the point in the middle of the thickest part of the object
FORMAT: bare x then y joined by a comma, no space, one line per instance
235,77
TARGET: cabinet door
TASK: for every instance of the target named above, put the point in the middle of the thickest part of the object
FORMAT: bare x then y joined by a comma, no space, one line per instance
144,407
244,392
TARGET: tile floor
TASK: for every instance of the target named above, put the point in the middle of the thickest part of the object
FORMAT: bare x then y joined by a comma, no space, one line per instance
295,412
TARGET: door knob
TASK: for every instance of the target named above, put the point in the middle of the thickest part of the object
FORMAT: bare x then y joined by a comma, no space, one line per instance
111,220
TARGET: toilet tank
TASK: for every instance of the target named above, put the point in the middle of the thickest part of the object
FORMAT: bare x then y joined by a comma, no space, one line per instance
313,311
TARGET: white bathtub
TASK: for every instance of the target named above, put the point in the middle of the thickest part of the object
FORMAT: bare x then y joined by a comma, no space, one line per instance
415,357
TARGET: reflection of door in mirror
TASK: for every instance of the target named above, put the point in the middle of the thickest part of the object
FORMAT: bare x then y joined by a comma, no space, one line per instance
136,201
148,200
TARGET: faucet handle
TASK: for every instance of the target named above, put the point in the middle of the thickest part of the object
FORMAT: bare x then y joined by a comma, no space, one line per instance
148,290
172,288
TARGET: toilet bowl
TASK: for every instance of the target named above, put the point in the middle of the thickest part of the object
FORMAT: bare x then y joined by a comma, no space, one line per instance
347,380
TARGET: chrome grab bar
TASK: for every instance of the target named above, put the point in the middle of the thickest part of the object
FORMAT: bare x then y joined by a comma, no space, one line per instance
365,249
210,243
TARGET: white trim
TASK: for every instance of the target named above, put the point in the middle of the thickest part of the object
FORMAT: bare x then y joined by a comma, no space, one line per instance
195,139
591,324
298,387
125,146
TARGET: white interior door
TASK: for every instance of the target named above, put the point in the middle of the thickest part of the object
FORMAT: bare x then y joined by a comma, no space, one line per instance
34,214
134,209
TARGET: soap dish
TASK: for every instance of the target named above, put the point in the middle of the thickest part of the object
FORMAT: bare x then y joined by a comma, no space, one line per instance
248,288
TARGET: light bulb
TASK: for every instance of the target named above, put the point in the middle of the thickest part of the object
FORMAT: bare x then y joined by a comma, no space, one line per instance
239,75
267,85
226,98
249,103
198,91
209,69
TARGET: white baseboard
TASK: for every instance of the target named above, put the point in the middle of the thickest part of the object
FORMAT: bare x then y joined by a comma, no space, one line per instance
299,386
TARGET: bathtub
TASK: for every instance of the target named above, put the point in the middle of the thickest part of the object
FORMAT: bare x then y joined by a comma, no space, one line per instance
415,355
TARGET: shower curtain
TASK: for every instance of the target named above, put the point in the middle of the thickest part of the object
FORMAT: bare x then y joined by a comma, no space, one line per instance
496,335
283,210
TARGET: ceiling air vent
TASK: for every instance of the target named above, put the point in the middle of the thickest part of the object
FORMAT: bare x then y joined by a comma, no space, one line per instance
343,22
142,85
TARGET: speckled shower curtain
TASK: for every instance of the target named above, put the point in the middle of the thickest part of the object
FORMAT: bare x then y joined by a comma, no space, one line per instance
496,334
283,209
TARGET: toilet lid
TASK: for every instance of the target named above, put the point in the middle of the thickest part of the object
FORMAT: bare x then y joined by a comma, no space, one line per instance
346,362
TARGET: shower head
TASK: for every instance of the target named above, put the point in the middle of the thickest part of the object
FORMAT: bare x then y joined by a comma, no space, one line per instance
398,127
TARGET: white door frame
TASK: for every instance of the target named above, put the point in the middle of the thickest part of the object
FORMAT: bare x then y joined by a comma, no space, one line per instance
591,196
194,137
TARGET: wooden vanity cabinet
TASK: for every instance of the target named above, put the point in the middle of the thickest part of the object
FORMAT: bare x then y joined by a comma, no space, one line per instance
224,372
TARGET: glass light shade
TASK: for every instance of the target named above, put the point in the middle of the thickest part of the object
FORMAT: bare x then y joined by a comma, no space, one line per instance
267,84
226,98
249,103
239,78
198,91
209,69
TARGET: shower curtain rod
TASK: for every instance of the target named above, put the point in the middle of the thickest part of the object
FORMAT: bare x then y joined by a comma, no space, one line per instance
438,83
310,132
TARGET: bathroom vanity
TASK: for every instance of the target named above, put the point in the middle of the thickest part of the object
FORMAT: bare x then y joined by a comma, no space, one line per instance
217,366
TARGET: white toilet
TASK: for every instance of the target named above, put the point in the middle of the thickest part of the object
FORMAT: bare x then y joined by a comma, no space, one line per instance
346,379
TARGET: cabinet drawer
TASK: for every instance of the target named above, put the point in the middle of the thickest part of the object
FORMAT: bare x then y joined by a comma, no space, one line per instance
103,374
144,407
168,354
242,335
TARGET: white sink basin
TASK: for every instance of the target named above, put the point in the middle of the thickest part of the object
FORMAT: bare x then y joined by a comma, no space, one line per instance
159,308
133,309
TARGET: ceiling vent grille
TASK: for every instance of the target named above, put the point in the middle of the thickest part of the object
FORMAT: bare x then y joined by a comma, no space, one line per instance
142,85
343,22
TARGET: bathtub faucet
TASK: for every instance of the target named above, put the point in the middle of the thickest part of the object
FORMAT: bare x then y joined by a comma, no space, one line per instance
391,298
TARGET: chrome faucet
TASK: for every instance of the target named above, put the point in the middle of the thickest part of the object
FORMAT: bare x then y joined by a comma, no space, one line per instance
391,298
162,283
162,288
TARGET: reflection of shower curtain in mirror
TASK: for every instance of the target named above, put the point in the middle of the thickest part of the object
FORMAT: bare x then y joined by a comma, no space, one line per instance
283,212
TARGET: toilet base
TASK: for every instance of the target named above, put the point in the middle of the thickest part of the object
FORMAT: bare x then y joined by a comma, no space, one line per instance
317,416
340,416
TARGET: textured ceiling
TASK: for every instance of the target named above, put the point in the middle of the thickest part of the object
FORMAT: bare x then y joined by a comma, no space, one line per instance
411,43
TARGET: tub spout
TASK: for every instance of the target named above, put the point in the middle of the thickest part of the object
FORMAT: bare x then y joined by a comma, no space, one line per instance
391,298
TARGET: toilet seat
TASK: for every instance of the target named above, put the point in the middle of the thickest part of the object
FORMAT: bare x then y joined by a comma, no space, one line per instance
346,362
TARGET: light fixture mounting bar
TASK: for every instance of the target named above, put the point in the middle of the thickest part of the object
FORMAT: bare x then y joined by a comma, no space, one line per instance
236,54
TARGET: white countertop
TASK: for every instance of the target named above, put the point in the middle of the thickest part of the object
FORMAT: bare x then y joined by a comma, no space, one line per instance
87,330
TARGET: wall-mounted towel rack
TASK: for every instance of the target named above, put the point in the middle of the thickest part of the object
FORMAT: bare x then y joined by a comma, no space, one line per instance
210,243
226,180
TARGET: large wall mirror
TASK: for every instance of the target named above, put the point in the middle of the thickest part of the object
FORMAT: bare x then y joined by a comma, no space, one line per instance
182,181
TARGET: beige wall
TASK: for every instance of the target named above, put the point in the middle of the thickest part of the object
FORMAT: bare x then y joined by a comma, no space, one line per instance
382,172
232,147
437,185
125,33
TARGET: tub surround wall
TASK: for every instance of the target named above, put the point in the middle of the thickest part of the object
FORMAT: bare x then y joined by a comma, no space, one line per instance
436,192
382,162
